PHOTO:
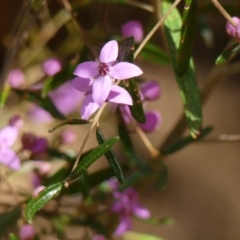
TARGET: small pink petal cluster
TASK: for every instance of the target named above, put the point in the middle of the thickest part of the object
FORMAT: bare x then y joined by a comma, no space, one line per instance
16,78
67,136
97,79
149,91
127,205
234,31
8,136
133,29
52,66
27,232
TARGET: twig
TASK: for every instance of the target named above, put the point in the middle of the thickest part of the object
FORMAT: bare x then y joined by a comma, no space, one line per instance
154,29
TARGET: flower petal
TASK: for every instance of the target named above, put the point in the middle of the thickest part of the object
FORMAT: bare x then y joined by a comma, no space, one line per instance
82,84
141,211
124,225
9,158
153,121
101,88
39,146
88,107
87,69
151,90
8,136
119,95
124,70
109,52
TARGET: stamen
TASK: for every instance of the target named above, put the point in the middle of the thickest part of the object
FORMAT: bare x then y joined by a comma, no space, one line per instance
103,69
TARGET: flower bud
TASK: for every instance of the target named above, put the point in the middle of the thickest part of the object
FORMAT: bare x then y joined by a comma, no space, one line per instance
26,232
151,90
133,28
16,121
51,66
68,136
153,121
231,30
16,78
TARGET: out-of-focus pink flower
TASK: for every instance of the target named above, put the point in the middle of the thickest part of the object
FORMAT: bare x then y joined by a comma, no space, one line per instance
8,157
26,232
133,28
153,121
233,31
38,114
36,145
37,190
99,237
52,66
126,205
16,78
150,90
68,136
16,121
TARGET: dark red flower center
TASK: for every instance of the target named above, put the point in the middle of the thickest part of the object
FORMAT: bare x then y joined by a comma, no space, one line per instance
103,69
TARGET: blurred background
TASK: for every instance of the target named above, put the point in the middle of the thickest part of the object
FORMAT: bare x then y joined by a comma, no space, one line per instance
202,194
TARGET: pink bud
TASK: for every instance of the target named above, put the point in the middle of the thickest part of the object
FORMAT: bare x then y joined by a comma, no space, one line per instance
16,121
151,90
68,136
16,78
153,121
231,30
133,28
42,167
37,190
26,232
52,66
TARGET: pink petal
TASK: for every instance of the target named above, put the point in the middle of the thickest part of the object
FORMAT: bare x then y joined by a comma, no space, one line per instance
40,146
8,136
109,52
99,237
126,114
26,232
87,70
82,84
151,90
101,89
88,107
38,114
37,190
119,95
124,225
52,66
133,28
68,136
16,78
9,158
141,211
124,70
153,121
230,28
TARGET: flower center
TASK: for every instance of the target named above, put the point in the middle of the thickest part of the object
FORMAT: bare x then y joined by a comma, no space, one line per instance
103,69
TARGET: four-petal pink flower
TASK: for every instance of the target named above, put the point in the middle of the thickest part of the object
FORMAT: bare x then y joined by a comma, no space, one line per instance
105,71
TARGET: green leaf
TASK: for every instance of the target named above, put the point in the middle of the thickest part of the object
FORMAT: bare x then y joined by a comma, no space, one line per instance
12,236
4,94
63,76
128,147
138,236
84,184
58,154
162,177
183,142
137,107
90,158
189,24
153,53
8,219
126,50
45,103
70,121
229,52
36,203
187,82
112,159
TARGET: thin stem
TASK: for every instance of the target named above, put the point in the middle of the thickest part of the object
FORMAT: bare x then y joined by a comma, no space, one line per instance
223,12
224,138
154,29
152,150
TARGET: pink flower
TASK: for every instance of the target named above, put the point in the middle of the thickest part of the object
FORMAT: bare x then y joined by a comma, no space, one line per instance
150,90
104,71
8,157
153,121
116,95
233,31
16,78
134,29
27,232
99,237
126,205
68,136
16,121
52,66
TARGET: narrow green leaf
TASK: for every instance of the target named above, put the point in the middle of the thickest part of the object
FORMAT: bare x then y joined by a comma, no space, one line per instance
137,107
12,236
138,236
183,142
58,154
45,103
112,159
89,159
8,219
162,177
187,82
128,147
189,24
70,121
229,52
4,94
153,53
126,50
84,184
36,203
55,81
